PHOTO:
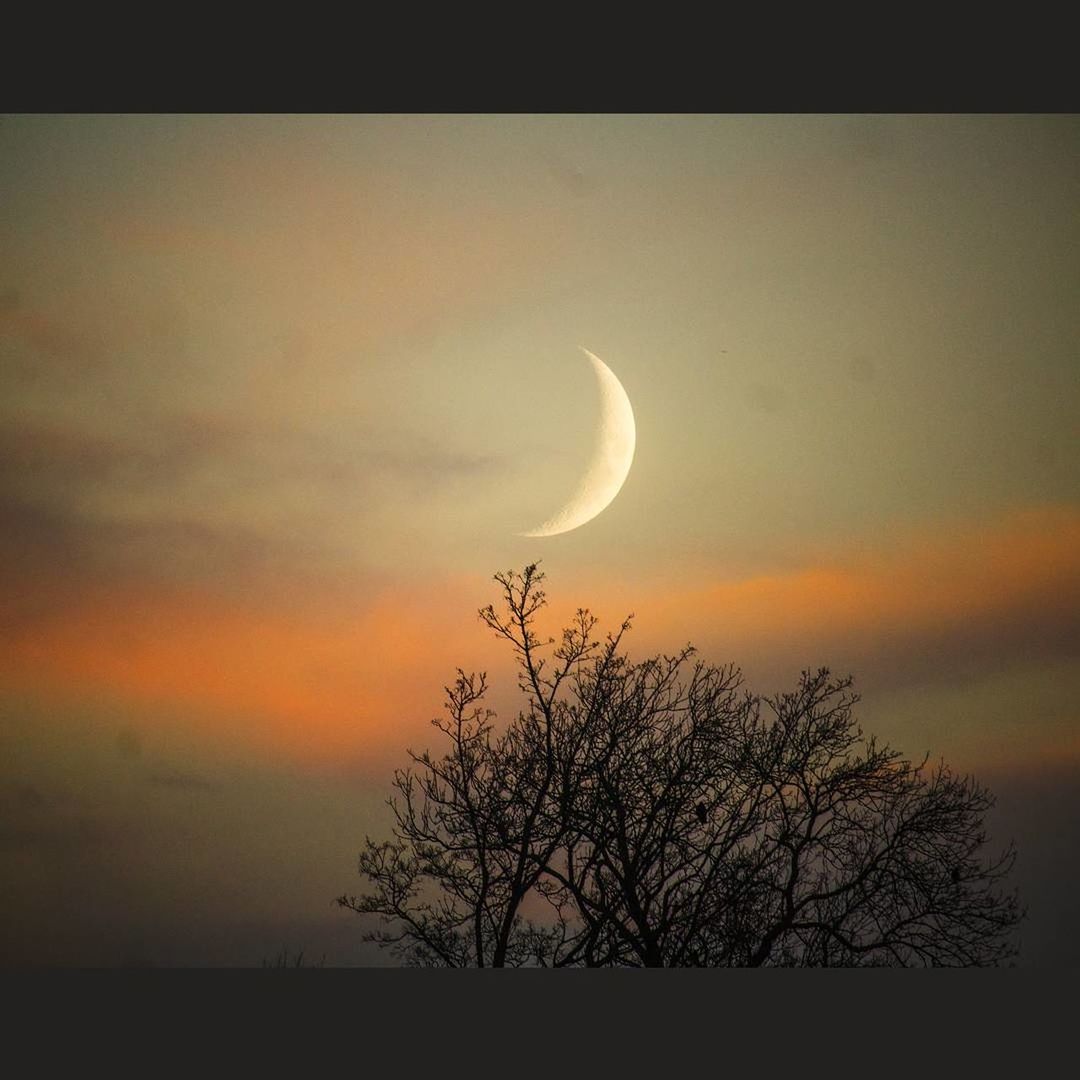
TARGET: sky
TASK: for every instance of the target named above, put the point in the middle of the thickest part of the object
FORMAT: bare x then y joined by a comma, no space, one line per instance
278,395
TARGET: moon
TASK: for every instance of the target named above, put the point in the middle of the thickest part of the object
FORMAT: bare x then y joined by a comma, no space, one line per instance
616,437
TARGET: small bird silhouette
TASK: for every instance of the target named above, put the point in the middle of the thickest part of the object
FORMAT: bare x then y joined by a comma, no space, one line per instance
702,812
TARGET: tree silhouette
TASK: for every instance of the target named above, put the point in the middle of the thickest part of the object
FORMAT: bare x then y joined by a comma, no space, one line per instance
658,814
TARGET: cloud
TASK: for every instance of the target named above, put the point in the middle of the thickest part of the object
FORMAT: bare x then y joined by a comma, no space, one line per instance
328,667
942,605
316,675
53,557
33,453
54,461
68,470
30,796
53,349
128,743
202,499
181,781
76,835
21,799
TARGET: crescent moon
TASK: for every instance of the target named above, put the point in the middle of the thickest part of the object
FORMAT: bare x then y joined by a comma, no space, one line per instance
616,437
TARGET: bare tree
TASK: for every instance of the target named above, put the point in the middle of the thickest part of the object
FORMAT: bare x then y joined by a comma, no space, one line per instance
476,829
658,814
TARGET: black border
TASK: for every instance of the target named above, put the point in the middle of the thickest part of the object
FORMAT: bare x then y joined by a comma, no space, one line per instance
448,1023
723,60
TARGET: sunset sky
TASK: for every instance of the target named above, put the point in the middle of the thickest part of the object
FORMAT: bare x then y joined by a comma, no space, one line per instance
278,394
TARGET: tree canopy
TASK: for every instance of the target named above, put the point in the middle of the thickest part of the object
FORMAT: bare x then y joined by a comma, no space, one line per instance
657,813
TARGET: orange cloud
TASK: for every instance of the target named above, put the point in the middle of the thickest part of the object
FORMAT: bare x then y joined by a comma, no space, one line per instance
340,676
974,584
316,684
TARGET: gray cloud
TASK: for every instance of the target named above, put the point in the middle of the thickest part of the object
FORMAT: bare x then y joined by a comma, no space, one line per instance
1038,628
79,509
29,796
50,554
22,801
181,781
52,352
422,467
59,459
55,464
62,835
128,743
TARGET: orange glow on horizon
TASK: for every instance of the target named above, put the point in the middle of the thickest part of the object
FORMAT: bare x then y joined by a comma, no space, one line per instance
321,682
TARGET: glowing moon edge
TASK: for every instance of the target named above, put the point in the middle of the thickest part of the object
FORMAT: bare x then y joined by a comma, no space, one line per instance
612,457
